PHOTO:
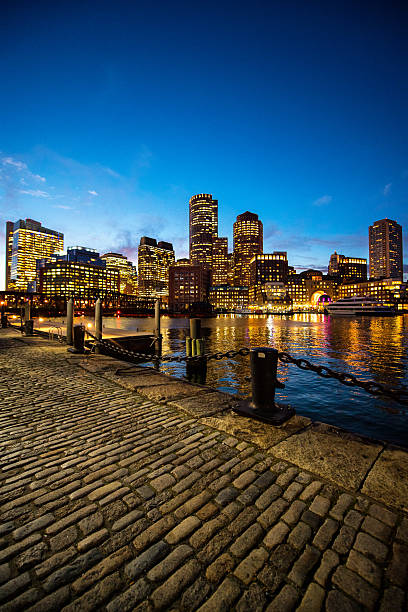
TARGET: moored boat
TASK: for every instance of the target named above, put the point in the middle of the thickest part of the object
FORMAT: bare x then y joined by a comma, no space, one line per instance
363,306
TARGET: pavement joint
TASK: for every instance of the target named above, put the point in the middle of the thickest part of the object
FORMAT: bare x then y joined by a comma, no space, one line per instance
110,500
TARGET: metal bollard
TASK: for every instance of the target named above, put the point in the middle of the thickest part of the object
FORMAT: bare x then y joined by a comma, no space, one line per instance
157,331
70,322
79,340
4,321
98,323
264,365
29,327
195,328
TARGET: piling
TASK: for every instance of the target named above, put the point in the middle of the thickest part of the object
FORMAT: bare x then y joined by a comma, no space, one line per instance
70,322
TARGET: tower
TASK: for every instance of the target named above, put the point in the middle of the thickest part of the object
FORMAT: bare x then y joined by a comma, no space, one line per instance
248,241
203,228
385,243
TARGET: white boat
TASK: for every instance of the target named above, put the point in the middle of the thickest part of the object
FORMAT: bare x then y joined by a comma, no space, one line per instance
359,306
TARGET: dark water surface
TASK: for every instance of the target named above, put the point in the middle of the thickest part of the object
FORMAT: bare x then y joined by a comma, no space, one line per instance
372,348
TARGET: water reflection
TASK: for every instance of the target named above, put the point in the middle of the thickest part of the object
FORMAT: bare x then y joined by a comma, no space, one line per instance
371,348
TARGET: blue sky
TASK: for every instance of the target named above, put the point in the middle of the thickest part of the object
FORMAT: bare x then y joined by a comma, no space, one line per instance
113,114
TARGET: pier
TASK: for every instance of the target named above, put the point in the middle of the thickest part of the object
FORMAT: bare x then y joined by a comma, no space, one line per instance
135,490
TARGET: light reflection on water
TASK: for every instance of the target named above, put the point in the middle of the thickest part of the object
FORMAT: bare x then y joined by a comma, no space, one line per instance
372,348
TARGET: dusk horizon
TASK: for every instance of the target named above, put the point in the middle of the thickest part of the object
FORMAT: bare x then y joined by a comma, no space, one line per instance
114,119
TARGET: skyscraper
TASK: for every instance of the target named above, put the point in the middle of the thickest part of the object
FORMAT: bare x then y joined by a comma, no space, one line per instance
248,241
28,241
154,260
203,228
220,261
347,268
385,243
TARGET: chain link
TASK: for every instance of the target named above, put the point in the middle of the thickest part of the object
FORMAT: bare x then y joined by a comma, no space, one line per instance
345,378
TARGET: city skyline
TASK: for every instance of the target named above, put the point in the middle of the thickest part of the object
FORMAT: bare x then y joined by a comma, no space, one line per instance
301,120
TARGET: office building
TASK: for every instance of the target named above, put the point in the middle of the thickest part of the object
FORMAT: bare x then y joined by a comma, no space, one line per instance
203,228
385,245
226,297
248,241
347,268
220,261
84,282
188,287
26,241
389,291
127,271
154,261
266,268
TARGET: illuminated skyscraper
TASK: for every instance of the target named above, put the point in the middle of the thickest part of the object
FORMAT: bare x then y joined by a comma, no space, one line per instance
154,260
348,268
385,238
220,261
28,241
203,228
248,241
127,271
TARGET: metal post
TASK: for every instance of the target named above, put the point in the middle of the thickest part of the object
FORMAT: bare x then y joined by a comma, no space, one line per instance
195,328
70,322
158,336
98,319
79,340
264,365
4,322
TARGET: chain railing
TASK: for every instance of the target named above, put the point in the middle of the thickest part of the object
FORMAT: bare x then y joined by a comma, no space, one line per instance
345,378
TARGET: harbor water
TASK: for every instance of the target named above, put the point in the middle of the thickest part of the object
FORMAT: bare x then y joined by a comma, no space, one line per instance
371,348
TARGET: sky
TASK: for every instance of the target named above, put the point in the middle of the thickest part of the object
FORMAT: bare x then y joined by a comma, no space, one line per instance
112,115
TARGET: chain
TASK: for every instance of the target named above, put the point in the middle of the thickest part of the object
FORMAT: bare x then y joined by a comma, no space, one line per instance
344,378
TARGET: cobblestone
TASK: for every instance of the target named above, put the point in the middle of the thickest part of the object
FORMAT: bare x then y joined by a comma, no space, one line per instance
113,501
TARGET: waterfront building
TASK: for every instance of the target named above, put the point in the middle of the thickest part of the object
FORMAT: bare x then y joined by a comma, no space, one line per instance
127,271
348,268
83,281
265,268
154,261
188,286
26,241
248,241
389,291
311,288
203,228
227,297
220,261
385,245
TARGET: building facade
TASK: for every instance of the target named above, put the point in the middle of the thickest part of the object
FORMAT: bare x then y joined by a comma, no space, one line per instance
385,246
82,281
154,261
348,268
188,286
220,261
26,241
203,228
227,297
388,290
127,271
267,268
248,241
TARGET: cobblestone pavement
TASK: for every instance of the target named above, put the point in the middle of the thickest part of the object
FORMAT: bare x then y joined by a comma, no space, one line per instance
113,502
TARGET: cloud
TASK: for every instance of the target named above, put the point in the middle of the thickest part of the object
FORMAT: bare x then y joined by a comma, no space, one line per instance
39,178
36,193
93,192
10,161
326,199
387,189
63,207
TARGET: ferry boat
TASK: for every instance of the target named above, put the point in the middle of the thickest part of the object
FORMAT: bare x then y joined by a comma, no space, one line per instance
366,306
